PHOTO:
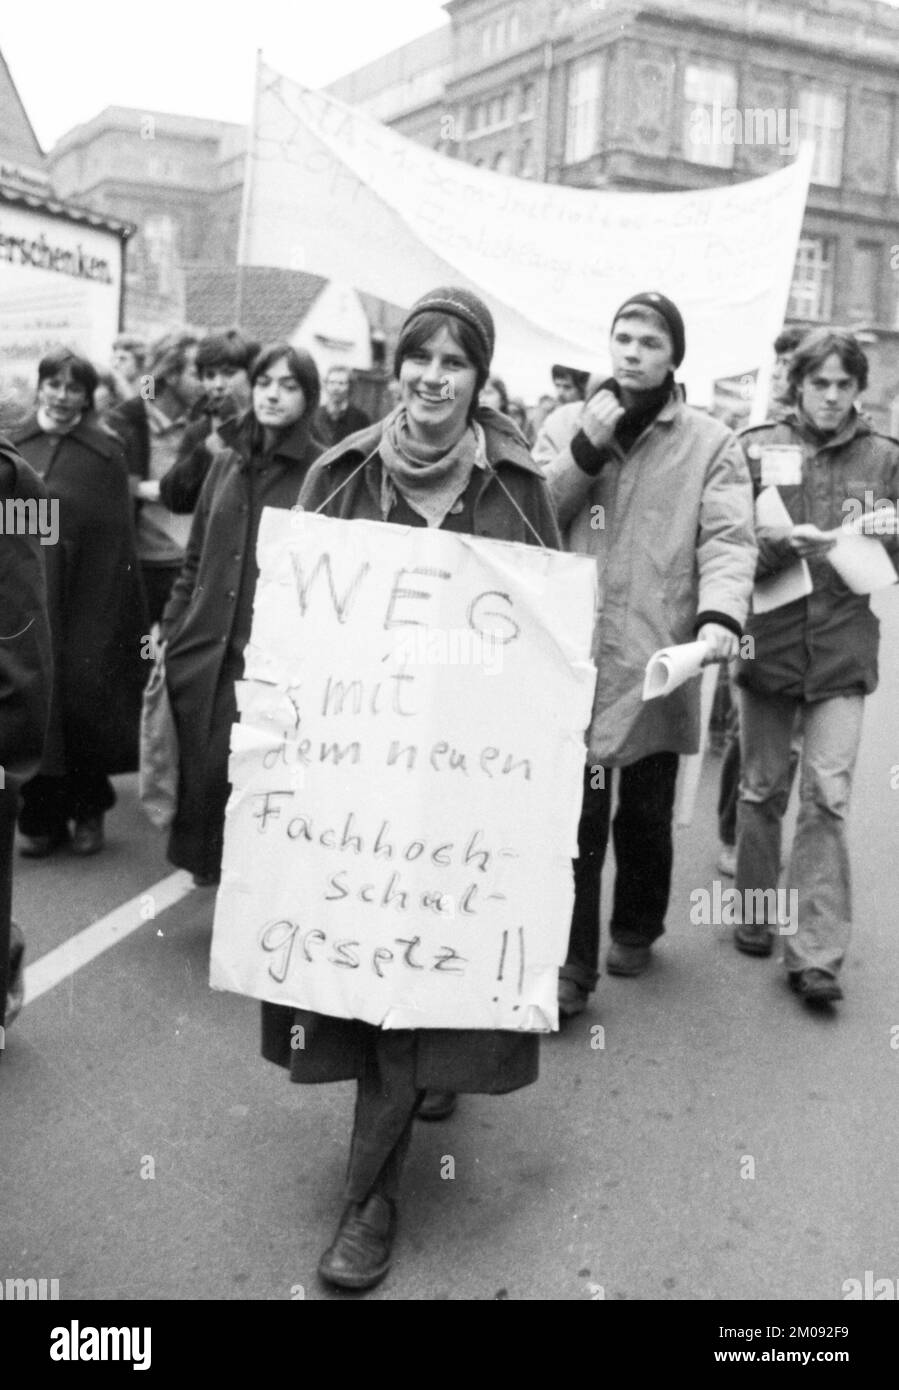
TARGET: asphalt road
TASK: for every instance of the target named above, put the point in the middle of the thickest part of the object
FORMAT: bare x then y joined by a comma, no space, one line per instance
722,1143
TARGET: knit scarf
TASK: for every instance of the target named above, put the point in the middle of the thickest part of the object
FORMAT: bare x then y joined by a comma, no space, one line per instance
641,414
429,477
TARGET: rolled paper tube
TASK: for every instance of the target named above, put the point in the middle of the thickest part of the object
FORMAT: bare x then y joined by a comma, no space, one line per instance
672,666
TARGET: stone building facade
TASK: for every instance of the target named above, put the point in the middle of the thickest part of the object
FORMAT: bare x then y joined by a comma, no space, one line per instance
676,94
626,94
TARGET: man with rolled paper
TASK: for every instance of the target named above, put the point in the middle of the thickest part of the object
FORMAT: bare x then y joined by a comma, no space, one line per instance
835,482
659,494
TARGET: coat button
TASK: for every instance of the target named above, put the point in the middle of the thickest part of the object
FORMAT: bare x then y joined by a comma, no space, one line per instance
230,594
236,555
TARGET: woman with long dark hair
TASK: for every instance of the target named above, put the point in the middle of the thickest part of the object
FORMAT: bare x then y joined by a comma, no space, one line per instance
206,623
438,460
97,613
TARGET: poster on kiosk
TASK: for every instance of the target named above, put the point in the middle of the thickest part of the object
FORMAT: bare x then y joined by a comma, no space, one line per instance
60,282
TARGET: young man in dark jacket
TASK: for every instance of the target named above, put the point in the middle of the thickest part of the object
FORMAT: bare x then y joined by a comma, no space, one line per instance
223,368
337,418
816,655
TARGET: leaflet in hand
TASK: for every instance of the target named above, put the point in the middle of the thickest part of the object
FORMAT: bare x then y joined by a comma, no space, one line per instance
788,584
858,556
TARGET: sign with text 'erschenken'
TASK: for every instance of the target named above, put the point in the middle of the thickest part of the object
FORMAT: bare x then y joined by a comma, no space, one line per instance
407,775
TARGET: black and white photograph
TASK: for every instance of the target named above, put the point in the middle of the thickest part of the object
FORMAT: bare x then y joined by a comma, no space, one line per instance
449,665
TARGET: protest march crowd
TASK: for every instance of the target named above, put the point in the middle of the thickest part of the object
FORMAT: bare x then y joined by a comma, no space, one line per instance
159,495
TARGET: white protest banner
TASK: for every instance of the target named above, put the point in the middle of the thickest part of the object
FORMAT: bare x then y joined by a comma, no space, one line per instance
407,775
332,191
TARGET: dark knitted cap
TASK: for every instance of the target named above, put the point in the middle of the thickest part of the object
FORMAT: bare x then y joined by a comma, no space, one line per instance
668,310
460,304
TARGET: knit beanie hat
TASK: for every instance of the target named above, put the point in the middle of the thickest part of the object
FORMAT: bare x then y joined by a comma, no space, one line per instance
463,305
669,311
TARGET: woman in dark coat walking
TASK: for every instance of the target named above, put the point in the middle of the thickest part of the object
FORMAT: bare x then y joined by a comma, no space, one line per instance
438,460
97,612
206,623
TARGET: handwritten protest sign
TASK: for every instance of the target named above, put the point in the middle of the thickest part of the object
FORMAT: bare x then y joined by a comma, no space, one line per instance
406,775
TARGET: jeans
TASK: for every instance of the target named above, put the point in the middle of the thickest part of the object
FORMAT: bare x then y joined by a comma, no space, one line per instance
729,786
819,867
644,854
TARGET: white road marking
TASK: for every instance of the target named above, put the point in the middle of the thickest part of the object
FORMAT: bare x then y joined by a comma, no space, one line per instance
79,950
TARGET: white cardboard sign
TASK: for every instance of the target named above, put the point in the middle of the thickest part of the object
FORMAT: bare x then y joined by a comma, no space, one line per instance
407,775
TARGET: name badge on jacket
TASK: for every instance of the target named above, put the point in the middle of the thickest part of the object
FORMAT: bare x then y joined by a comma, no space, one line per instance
781,465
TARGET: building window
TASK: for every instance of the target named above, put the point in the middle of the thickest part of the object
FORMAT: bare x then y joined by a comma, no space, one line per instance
864,305
582,121
822,117
811,293
708,94
491,115
526,169
499,34
528,101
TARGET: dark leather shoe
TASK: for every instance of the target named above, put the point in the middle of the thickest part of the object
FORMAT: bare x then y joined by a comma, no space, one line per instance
88,836
40,846
572,998
437,1105
627,960
359,1256
754,941
816,986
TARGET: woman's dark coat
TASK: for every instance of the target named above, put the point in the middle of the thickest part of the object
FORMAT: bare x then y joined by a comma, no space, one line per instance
95,600
207,623
26,669
335,1049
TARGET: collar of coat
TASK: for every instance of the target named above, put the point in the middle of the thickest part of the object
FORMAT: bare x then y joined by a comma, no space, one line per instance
90,435
855,426
297,446
505,443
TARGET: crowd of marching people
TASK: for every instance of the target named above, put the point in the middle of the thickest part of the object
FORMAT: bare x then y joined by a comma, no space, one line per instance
161,465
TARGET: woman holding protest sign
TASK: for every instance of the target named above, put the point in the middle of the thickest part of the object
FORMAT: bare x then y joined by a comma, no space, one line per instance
206,623
441,460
